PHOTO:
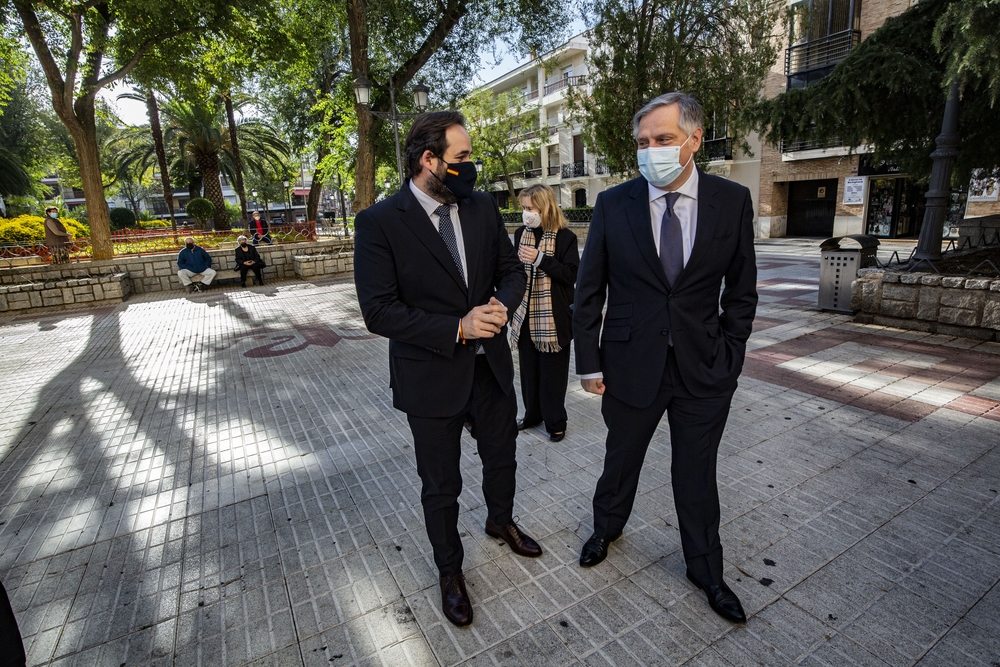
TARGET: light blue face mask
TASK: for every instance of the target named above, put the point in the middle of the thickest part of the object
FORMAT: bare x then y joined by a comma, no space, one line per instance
661,165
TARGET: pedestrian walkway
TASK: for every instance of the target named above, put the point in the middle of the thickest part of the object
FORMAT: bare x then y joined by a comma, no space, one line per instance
220,479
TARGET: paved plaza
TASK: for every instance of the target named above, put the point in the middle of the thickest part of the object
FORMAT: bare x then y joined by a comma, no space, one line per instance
220,479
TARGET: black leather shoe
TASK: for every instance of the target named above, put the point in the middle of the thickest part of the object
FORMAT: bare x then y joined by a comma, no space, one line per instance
521,425
722,600
455,602
595,550
518,542
557,437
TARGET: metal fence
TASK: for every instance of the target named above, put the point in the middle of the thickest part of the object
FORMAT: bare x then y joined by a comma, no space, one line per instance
139,242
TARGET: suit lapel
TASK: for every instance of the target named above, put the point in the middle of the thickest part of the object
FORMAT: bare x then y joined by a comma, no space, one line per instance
416,220
471,236
708,217
637,211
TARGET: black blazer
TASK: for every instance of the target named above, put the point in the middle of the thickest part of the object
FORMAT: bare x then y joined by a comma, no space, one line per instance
248,255
562,269
410,291
620,261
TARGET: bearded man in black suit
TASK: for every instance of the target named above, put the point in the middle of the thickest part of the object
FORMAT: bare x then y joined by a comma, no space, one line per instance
437,275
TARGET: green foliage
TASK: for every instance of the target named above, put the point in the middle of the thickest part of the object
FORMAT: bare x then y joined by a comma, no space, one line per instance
235,213
889,93
201,209
154,223
121,218
968,34
30,229
719,51
499,126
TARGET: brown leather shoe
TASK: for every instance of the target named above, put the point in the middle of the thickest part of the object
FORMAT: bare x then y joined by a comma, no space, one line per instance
455,602
518,542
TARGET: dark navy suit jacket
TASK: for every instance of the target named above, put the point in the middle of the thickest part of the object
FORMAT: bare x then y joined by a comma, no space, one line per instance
620,264
411,292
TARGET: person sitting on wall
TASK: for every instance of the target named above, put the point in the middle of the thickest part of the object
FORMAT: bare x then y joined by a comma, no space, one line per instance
248,259
194,266
258,227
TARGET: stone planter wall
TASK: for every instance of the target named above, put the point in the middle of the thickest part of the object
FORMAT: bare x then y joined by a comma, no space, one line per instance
59,293
313,266
974,231
57,287
954,306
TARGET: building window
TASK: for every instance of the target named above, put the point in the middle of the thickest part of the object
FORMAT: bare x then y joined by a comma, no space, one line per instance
580,198
822,32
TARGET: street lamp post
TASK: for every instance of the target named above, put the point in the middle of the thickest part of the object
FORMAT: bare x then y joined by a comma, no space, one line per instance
288,199
253,193
363,94
479,167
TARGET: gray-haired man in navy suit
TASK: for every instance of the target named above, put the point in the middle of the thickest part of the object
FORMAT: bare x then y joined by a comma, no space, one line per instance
659,249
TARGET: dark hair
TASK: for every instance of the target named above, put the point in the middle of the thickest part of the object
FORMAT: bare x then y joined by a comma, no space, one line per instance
428,133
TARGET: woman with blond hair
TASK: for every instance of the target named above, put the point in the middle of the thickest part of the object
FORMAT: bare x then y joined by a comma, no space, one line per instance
541,327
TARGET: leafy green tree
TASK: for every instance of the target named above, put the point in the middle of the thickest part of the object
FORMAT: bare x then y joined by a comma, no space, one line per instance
719,51
968,33
84,46
201,210
499,126
121,218
394,40
889,93
200,132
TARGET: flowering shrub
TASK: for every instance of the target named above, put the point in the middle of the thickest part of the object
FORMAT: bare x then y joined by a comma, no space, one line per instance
30,229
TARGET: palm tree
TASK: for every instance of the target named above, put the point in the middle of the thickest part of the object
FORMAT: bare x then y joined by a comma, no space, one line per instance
198,133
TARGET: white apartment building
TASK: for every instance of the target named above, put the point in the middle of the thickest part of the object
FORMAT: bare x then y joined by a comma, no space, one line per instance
562,161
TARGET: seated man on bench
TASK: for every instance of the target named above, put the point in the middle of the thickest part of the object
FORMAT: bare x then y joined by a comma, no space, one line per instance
194,266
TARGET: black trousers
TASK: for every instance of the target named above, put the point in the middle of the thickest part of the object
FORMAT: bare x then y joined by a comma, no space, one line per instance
696,426
257,269
437,445
11,646
543,383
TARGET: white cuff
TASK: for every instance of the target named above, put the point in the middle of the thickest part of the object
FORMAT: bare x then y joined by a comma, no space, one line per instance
538,259
592,376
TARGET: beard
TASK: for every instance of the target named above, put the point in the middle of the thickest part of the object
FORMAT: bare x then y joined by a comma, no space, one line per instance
438,190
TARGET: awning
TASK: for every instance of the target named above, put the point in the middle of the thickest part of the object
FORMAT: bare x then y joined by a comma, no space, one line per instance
301,191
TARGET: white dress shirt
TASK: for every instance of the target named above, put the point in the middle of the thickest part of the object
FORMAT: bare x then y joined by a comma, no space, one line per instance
430,206
685,210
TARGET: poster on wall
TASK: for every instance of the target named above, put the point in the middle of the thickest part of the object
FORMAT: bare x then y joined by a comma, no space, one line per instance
854,190
984,185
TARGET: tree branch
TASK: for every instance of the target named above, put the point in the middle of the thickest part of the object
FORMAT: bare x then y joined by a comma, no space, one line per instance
123,71
450,16
34,31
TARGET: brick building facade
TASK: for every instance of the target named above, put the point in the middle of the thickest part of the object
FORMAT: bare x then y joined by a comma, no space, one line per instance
802,186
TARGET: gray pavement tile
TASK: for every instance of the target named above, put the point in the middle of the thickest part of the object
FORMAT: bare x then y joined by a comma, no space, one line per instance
169,500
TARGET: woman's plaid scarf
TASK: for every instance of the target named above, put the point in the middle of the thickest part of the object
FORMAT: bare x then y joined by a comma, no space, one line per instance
538,293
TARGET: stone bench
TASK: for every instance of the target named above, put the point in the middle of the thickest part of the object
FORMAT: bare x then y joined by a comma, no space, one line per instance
312,266
65,293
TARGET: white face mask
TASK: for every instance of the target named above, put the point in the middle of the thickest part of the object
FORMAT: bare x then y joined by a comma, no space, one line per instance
531,219
53,214
662,165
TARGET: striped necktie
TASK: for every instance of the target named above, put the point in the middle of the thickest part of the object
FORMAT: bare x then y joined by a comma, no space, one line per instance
447,230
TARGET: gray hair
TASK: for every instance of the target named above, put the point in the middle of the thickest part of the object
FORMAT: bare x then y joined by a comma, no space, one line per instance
691,118
241,238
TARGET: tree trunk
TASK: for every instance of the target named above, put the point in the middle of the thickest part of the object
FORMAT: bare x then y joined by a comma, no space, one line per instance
513,203
195,183
316,188
364,168
237,160
213,189
84,133
153,111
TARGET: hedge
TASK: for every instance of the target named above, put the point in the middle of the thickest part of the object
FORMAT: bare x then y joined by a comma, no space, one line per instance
30,230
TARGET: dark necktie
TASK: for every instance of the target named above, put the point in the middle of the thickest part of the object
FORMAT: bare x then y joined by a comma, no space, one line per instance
447,230
671,241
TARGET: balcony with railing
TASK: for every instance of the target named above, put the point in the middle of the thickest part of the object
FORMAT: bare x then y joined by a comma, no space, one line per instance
565,82
798,145
574,169
555,170
810,61
717,150
601,168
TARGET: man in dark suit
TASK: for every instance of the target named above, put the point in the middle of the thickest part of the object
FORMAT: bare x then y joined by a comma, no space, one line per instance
437,275
659,249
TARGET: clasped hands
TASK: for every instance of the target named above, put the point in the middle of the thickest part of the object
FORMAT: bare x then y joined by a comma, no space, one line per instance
484,321
527,254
